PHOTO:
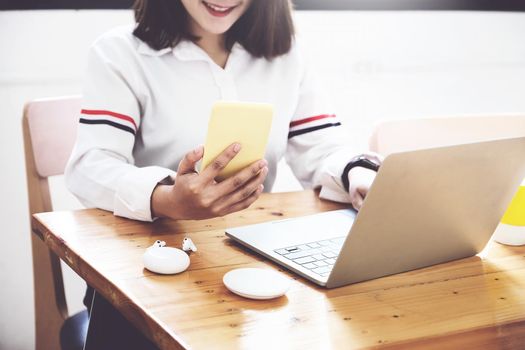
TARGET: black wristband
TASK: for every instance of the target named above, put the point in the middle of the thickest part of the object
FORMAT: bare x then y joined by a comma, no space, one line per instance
361,161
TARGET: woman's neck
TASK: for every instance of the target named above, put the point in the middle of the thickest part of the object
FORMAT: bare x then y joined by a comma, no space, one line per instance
213,44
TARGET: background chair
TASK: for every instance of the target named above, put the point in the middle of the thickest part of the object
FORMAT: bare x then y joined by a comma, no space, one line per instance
49,128
411,134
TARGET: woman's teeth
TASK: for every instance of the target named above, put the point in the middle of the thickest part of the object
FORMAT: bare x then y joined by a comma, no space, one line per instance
217,8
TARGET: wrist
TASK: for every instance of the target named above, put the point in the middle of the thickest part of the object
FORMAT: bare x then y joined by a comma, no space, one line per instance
361,161
160,201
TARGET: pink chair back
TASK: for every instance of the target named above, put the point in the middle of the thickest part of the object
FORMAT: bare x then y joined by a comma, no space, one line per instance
53,128
411,134
49,128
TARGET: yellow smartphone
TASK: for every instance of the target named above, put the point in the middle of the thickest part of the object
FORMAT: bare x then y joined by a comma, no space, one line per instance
246,123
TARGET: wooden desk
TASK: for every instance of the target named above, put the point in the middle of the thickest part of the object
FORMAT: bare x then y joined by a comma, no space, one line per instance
471,303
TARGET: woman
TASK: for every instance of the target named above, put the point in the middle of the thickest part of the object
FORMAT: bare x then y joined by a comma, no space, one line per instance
147,98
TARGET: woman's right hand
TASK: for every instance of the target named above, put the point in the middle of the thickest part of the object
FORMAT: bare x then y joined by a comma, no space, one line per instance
198,196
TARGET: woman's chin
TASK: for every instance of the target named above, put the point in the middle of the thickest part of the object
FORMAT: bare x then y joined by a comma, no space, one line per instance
217,30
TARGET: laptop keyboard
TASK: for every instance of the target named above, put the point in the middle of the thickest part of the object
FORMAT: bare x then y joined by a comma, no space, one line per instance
318,257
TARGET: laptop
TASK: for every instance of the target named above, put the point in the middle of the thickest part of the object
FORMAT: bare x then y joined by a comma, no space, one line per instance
425,207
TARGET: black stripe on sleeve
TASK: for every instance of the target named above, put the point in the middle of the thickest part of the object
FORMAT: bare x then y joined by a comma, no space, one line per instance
107,122
310,129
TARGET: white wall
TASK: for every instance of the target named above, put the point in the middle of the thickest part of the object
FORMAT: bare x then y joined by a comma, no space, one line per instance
376,65
42,55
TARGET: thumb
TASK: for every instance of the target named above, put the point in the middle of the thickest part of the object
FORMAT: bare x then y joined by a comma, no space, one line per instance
187,164
362,191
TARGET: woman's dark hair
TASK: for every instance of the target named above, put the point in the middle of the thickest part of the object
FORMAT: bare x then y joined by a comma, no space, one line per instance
264,30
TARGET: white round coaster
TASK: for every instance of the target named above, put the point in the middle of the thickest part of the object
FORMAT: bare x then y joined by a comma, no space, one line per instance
509,234
165,260
256,283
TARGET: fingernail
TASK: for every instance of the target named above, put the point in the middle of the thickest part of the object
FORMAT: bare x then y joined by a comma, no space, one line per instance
263,163
198,150
237,147
261,187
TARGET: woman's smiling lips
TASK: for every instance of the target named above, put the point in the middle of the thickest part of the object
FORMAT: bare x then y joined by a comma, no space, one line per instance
218,10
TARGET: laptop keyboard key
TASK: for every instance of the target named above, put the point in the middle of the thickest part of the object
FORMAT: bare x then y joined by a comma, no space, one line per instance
320,263
330,254
330,261
322,269
282,251
292,249
313,251
293,256
310,266
305,260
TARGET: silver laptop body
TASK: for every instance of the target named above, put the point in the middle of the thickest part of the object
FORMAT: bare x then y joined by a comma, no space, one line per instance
424,208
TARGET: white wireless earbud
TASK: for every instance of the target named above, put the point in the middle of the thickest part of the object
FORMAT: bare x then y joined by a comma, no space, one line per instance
188,245
158,244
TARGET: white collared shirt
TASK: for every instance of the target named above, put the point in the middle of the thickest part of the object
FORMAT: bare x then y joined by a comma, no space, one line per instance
144,109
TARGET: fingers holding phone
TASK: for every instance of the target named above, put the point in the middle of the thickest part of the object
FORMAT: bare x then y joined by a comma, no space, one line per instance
243,188
200,196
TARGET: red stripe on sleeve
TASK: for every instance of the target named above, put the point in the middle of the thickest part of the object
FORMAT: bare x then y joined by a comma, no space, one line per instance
311,119
109,113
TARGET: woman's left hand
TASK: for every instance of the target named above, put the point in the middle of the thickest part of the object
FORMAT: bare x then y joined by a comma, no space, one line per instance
360,180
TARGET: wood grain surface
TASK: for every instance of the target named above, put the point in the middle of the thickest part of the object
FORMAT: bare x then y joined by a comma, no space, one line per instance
477,302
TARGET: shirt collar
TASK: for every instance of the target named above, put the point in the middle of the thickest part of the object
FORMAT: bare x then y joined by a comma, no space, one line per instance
145,49
185,51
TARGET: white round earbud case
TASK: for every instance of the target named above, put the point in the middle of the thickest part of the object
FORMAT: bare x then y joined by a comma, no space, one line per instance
165,260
